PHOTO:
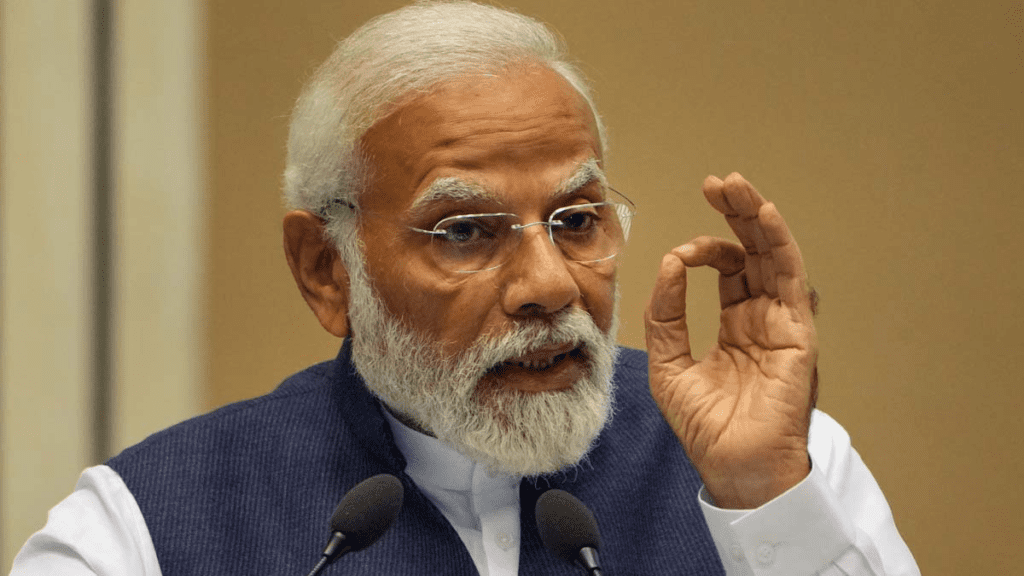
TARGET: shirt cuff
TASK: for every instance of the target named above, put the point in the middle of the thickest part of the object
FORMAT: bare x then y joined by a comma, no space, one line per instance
800,532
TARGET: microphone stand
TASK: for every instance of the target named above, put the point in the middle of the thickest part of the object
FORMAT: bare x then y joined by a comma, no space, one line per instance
332,551
588,559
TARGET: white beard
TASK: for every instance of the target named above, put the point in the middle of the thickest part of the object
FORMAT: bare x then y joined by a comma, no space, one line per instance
509,431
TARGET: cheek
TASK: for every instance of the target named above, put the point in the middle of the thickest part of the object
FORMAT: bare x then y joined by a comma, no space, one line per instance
598,290
440,307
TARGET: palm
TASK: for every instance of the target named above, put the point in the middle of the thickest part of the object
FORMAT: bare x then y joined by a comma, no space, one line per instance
742,413
748,392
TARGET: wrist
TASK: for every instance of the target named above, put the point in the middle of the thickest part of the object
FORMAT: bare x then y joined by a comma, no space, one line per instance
747,491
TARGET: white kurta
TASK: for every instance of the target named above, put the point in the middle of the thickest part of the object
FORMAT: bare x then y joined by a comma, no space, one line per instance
835,522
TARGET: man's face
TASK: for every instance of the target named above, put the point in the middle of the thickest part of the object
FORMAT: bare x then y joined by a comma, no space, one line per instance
520,341
518,136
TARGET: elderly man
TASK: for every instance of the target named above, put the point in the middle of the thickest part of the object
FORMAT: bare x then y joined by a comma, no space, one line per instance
452,222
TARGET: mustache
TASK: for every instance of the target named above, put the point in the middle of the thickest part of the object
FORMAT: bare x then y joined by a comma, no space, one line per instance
573,327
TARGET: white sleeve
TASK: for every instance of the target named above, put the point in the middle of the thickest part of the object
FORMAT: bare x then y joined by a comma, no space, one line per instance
835,522
97,530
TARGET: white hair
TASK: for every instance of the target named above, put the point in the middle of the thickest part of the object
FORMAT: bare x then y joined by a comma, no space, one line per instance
391,57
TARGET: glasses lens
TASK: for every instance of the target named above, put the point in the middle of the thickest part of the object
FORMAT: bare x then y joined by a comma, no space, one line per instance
472,242
590,232
584,233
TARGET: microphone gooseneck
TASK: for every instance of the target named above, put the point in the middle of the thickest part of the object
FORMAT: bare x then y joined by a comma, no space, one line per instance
568,528
363,516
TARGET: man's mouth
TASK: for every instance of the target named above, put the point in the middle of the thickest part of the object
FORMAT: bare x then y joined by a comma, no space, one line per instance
544,358
540,364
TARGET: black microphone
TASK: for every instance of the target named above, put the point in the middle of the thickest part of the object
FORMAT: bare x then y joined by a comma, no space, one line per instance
569,529
363,516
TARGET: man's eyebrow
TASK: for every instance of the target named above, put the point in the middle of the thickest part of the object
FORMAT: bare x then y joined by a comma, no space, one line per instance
451,189
588,171
458,190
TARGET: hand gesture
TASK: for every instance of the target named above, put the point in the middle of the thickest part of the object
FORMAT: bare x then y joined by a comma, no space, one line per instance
743,412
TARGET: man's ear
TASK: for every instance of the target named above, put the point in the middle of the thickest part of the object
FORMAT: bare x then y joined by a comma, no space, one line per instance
318,270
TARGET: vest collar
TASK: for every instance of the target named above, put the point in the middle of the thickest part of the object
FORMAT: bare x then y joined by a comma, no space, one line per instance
361,411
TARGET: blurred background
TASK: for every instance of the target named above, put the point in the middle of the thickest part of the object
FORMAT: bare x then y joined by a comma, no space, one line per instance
143,281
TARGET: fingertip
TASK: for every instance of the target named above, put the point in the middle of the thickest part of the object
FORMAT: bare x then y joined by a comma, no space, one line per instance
713,193
734,176
712,182
722,255
665,316
712,189
734,185
671,264
669,287
689,254
742,195
685,252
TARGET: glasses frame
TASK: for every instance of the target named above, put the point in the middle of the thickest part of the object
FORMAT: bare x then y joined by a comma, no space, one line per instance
625,211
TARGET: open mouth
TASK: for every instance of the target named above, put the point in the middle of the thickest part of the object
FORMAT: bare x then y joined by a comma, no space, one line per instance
543,359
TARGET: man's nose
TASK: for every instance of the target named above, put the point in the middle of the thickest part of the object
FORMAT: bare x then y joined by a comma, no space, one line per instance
537,278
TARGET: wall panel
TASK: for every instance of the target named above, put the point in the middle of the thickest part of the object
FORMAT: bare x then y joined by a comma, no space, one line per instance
45,238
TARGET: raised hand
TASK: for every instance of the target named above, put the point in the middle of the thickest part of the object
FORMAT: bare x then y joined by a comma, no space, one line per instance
742,413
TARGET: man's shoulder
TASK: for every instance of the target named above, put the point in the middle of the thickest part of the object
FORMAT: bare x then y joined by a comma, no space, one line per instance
236,421
255,472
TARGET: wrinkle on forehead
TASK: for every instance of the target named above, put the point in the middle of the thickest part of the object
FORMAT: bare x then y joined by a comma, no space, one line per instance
457,189
453,142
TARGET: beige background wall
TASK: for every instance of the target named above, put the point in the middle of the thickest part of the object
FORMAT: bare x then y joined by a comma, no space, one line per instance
890,134
54,419
45,320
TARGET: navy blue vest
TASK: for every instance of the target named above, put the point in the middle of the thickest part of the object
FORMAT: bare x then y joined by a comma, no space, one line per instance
248,489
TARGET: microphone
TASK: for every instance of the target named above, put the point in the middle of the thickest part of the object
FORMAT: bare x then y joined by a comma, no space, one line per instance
363,516
568,528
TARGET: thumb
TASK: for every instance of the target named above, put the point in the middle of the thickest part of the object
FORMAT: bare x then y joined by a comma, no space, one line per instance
668,339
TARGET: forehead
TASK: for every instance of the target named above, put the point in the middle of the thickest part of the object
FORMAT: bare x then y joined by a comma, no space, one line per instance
526,128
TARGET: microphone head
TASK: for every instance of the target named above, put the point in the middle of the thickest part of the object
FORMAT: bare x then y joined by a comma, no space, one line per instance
565,525
367,510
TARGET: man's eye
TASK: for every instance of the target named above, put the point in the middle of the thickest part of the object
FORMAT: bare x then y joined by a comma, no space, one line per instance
578,220
463,231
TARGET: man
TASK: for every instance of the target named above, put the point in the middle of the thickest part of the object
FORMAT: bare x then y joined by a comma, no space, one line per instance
451,220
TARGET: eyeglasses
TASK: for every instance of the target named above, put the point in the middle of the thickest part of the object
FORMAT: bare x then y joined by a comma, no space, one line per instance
590,234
